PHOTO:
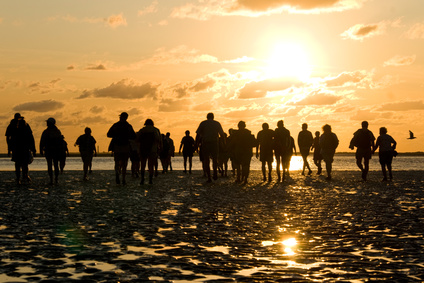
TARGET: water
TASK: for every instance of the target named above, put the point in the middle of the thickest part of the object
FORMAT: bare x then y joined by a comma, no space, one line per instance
341,162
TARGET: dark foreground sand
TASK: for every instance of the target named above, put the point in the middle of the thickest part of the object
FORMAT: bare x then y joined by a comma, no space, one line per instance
183,230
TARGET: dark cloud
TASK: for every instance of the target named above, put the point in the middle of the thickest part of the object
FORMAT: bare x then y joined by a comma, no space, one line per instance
124,89
319,99
39,106
402,106
261,88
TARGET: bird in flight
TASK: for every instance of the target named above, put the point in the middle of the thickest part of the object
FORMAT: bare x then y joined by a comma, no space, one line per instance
411,136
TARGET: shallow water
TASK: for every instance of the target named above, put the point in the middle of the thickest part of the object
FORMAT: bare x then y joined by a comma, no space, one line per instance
341,162
183,230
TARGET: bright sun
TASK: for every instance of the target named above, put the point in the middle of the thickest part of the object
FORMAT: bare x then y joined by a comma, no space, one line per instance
288,60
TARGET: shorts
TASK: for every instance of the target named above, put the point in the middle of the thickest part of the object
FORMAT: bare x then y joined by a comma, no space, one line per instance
385,157
363,153
121,152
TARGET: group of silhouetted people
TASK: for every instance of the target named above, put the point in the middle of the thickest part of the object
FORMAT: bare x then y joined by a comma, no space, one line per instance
148,145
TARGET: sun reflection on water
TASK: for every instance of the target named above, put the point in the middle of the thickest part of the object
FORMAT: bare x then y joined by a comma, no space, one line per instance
288,245
296,163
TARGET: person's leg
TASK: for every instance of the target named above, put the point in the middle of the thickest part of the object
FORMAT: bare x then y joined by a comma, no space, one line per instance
18,172
278,157
190,163
56,169
143,161
304,163
85,166
366,168
383,169
264,170
25,170
50,168
117,171
269,163
124,165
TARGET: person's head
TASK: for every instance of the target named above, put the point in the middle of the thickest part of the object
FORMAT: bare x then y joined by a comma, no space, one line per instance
280,124
149,122
231,131
241,125
364,125
210,116
383,130
51,122
168,134
18,116
317,133
123,116
187,133
87,131
265,126
304,126
326,128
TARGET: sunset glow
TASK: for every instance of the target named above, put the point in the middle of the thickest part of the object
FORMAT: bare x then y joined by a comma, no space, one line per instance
315,62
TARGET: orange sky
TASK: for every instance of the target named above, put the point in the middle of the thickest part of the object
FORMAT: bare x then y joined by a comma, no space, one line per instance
321,61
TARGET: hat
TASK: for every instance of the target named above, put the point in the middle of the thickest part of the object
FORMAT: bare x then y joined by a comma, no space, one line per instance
18,115
51,121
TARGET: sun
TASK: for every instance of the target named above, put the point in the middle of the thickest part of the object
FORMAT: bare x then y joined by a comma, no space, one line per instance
288,59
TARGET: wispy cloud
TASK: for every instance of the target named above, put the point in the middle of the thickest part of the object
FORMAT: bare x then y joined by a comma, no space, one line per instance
204,10
402,106
124,89
363,31
152,8
416,31
112,21
399,60
318,98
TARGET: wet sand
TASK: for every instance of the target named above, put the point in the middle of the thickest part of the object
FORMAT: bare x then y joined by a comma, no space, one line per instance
181,229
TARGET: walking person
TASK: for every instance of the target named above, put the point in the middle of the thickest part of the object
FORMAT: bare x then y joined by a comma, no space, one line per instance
363,139
149,140
317,152
328,143
288,156
188,147
51,146
208,134
171,150
281,148
121,132
265,144
63,154
244,142
21,145
87,148
304,141
387,147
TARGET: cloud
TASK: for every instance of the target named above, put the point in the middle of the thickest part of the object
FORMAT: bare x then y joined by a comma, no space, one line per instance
99,67
115,21
124,89
44,87
416,31
402,106
357,78
70,67
362,31
205,9
199,86
112,21
400,61
97,109
39,106
152,8
173,105
318,98
259,89
178,55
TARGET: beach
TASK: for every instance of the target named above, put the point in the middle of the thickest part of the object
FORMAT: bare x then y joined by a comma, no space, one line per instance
182,229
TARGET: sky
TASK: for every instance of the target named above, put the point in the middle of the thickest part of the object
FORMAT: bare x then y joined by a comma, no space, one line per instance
335,62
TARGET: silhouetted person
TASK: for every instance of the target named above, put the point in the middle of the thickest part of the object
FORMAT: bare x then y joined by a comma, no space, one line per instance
188,145
363,139
135,158
244,142
164,154
20,144
149,139
223,155
231,150
317,152
264,150
209,132
63,155
171,150
328,143
287,157
281,147
121,132
304,141
87,148
51,146
387,147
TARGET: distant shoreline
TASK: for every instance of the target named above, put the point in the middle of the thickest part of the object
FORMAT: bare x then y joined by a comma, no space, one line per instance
108,154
